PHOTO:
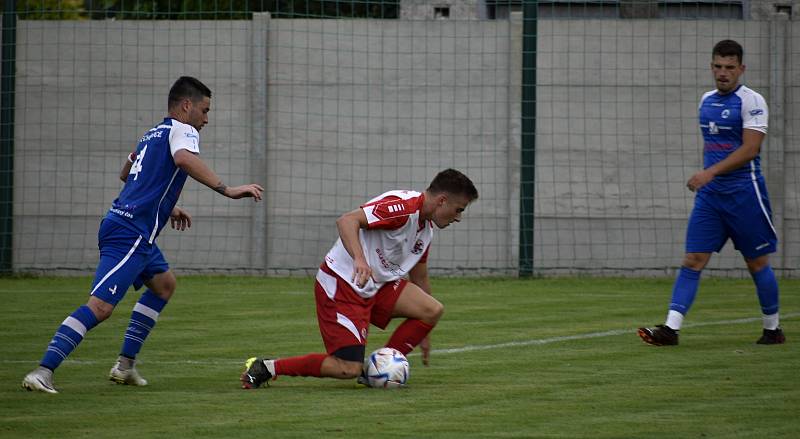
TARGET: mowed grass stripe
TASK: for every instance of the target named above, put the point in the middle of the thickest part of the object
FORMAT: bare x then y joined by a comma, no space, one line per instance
510,344
716,384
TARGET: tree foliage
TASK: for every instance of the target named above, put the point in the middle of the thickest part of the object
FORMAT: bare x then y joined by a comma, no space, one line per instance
202,9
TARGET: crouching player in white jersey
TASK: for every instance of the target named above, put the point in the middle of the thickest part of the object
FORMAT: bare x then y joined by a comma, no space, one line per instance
731,200
154,176
363,280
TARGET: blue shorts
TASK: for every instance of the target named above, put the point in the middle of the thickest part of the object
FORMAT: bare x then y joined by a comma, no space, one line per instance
744,216
125,259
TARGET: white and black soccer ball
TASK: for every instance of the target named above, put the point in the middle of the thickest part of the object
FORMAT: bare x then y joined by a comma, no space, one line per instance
386,368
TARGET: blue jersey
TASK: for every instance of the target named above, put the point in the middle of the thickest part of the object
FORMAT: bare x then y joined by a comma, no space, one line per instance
154,182
723,118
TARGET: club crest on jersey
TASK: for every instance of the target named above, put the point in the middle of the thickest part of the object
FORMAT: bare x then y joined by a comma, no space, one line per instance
418,247
725,113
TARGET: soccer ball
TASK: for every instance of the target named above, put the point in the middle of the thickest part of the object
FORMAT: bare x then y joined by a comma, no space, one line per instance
386,368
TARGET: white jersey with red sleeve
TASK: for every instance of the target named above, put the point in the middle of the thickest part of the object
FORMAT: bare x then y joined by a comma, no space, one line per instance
394,241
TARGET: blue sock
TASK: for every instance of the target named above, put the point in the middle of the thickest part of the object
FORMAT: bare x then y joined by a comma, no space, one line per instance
143,319
684,290
68,336
767,290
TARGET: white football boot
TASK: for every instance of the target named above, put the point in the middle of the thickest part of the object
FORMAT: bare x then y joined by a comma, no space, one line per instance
40,379
121,374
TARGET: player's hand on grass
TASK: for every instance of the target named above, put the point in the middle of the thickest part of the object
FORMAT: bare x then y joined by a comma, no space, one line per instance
425,346
180,219
244,191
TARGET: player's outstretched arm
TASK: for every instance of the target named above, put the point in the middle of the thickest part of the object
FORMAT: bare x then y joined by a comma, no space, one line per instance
243,191
198,170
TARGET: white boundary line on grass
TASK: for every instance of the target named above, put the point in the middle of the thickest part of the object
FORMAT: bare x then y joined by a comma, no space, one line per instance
511,344
541,341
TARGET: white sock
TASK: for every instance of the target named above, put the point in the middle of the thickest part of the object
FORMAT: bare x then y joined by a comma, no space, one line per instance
270,365
771,321
126,363
674,320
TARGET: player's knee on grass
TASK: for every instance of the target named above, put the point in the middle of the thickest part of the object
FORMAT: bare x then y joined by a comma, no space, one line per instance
348,361
344,369
352,370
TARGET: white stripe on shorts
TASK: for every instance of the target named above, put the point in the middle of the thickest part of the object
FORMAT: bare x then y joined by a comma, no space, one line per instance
328,283
347,323
118,266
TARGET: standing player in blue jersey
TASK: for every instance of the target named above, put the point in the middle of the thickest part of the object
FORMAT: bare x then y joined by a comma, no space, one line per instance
731,198
154,176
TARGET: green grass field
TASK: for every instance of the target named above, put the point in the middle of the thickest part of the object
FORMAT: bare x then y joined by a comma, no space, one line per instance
548,358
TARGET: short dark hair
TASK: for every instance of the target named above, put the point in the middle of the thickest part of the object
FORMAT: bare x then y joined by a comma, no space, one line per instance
187,87
728,48
453,182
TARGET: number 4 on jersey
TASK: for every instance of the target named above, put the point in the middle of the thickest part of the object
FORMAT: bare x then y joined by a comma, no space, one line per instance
136,167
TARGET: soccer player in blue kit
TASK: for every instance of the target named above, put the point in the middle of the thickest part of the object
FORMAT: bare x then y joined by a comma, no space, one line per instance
731,198
154,176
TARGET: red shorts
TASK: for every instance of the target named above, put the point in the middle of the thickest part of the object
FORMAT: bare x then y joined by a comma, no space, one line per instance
344,316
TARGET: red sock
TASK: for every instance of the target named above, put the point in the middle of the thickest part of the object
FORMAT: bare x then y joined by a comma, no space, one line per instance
304,366
408,335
